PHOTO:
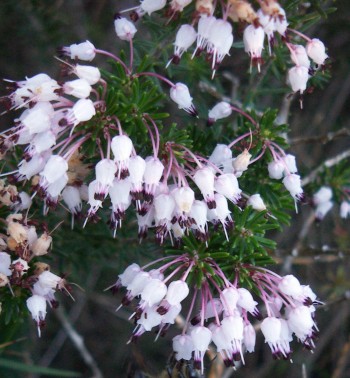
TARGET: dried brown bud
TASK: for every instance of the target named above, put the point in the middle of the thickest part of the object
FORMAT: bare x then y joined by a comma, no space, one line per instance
9,195
242,10
17,231
270,7
3,280
205,7
41,246
12,244
40,267
241,162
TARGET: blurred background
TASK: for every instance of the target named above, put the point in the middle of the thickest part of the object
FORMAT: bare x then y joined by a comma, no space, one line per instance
87,336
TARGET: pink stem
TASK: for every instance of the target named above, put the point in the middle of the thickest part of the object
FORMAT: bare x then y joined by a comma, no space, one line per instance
160,77
110,55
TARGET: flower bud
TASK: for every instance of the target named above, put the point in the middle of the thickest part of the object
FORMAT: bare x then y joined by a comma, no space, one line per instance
256,202
221,110
297,78
241,162
89,73
79,88
41,246
316,51
124,28
82,51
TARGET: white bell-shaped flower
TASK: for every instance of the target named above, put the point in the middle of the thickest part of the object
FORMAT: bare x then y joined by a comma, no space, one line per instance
293,184
324,194
246,301
136,167
79,88
56,187
153,173
220,40
219,111
233,327
184,197
150,6
83,51
164,205
94,203
220,154
297,78
124,28
300,322
221,213
271,329
185,37
290,285
299,56
249,337
204,178
229,298
149,318
201,337
36,305
256,202
199,214
25,202
54,169
5,262
129,274
276,169
180,94
205,24
136,286
122,147
42,142
183,347
49,280
177,292
290,164
227,185
83,110
38,119
316,51
89,73
253,39
322,209
223,344
154,291
172,313
119,193
71,196
105,171
344,209
281,22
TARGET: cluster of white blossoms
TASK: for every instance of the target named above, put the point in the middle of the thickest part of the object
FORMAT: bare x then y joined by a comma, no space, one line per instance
161,190
323,202
224,310
215,35
19,244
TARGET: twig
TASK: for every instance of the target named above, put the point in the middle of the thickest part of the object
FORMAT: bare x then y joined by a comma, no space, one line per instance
297,246
326,164
284,112
329,137
79,344
342,361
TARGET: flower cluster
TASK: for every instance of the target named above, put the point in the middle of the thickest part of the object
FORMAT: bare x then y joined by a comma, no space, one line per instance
19,245
224,310
214,36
